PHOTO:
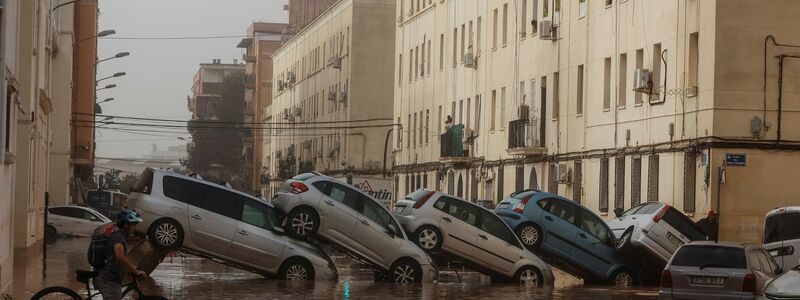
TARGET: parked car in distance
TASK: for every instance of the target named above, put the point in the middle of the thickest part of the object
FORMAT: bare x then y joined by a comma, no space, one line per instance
569,235
717,270
321,206
222,224
655,227
785,286
782,235
107,202
441,222
73,220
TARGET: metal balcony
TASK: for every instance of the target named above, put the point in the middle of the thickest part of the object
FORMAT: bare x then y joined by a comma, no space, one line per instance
452,146
523,138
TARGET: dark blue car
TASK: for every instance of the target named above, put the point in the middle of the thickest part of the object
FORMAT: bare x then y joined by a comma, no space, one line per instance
569,235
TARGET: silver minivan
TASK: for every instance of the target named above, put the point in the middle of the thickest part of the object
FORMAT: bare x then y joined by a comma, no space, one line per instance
225,225
782,235
321,206
438,221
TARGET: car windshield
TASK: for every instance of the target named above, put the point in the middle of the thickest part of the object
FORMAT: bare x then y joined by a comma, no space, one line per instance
708,256
782,227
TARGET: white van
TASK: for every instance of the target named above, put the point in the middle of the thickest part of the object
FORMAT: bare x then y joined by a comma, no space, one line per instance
782,235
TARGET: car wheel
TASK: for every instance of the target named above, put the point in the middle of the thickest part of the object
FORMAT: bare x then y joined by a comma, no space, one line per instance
302,222
530,235
624,243
405,271
50,234
166,233
623,278
530,276
428,238
296,269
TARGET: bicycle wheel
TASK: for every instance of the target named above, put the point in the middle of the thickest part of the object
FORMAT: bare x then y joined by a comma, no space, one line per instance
56,292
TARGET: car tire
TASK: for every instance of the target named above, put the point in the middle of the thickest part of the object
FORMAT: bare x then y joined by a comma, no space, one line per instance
624,244
531,235
428,238
405,271
50,234
296,269
302,222
529,275
166,234
622,278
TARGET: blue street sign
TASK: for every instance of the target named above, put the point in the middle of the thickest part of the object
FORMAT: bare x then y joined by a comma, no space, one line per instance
732,159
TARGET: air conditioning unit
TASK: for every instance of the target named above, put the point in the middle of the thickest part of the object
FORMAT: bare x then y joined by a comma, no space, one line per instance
691,91
469,60
643,81
332,96
546,30
564,175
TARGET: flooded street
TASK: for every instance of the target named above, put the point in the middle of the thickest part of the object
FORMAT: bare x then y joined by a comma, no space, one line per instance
188,277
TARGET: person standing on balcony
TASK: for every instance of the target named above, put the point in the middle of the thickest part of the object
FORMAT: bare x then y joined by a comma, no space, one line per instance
448,123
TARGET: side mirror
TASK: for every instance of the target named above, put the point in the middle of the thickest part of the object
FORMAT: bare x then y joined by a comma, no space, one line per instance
278,230
618,212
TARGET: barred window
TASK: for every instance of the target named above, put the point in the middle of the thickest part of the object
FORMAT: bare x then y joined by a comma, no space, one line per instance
636,181
604,184
652,178
689,178
619,182
577,184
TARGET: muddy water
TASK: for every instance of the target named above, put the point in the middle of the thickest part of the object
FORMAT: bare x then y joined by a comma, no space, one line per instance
187,277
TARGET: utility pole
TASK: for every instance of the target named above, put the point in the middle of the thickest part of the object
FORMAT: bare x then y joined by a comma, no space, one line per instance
720,181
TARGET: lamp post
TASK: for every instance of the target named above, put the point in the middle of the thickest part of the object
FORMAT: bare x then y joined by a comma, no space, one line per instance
106,100
118,55
110,86
118,74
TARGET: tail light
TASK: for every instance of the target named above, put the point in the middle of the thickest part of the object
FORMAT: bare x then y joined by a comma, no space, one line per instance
422,200
749,283
298,187
520,207
666,279
660,214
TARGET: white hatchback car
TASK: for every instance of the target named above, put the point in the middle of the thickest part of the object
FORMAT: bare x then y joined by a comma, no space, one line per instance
354,222
782,235
438,221
222,224
73,220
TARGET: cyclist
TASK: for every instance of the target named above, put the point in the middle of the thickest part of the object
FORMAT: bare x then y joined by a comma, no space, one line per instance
109,278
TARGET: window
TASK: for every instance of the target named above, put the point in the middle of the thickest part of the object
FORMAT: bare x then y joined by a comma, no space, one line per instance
470,36
494,112
622,91
552,182
375,212
460,119
439,124
639,64
462,210
8,116
427,125
494,30
768,262
222,202
421,130
556,11
469,111
656,74
693,59
477,112
422,60
258,214
579,92
594,226
429,58
652,178
636,181
556,104
478,37
559,208
503,108
416,63
463,33
522,26
505,24
491,224
689,177
181,189
782,227
414,131
343,194
619,182
546,8
609,2
441,52
716,256
607,83
581,8
604,184
535,16
577,185
410,65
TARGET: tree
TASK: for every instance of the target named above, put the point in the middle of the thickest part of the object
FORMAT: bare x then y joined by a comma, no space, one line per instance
127,182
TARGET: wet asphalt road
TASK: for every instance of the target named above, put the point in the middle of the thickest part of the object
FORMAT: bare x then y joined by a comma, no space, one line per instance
188,277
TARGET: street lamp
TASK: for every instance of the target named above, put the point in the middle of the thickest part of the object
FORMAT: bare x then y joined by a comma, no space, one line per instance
106,100
98,35
110,86
118,74
118,55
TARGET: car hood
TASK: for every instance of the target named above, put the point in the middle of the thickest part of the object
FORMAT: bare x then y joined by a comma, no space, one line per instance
785,285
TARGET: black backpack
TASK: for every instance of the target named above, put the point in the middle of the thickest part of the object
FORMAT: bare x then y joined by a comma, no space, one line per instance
99,251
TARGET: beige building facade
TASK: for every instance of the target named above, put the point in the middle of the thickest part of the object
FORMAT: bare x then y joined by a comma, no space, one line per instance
331,108
60,169
549,97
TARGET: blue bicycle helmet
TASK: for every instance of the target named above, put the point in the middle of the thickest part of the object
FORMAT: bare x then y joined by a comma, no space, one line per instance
127,216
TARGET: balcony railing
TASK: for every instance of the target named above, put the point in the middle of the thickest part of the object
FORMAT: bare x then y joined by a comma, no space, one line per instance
452,144
523,138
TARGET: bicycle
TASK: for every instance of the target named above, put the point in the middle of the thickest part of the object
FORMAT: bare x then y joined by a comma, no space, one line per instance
60,292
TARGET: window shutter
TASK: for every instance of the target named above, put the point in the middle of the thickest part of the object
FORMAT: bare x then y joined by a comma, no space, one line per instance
652,179
619,182
689,178
604,184
577,184
552,177
636,181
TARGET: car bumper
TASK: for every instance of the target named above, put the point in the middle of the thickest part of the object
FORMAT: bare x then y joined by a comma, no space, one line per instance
643,240
408,222
669,294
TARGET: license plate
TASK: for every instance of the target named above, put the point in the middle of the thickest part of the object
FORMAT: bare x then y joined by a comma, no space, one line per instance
674,239
708,280
503,205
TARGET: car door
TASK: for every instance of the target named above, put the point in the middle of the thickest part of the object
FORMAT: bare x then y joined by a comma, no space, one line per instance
255,242
458,224
339,209
213,221
59,218
594,251
496,246
375,232
79,221
88,222
558,217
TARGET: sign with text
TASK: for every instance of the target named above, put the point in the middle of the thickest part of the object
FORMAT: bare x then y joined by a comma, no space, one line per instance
736,159
379,188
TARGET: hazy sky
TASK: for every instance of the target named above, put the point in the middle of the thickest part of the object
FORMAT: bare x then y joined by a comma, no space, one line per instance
159,72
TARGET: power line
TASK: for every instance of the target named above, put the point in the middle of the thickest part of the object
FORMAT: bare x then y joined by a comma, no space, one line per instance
210,37
233,123
231,128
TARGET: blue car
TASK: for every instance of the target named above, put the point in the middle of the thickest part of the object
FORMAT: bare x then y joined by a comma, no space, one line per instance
568,235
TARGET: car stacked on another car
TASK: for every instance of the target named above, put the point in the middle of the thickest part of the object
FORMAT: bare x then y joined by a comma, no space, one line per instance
318,205
212,221
718,270
569,235
440,222
73,220
655,227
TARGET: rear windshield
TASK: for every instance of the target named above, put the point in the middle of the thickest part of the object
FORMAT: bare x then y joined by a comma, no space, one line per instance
416,195
683,224
710,257
523,194
642,209
782,227
145,183
304,176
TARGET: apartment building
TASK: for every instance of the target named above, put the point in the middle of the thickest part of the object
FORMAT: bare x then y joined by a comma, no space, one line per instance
261,41
61,171
332,97
82,139
303,12
207,87
610,103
